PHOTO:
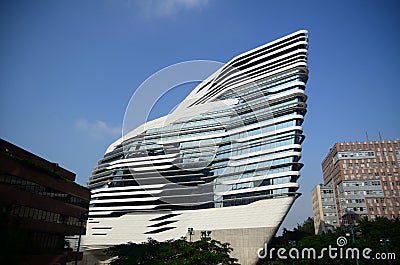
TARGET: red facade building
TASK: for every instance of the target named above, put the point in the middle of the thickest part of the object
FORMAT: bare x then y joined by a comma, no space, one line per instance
40,204
365,178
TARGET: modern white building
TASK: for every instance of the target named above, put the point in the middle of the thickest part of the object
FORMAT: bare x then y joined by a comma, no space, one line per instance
226,160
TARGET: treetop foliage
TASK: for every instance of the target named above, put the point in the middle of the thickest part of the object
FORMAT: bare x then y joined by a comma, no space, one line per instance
172,252
367,234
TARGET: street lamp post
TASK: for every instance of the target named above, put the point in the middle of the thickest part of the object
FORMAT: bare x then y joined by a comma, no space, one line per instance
292,244
205,235
385,242
82,217
352,234
353,238
191,233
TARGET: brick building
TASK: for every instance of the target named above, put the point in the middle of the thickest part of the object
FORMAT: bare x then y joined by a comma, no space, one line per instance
364,177
40,204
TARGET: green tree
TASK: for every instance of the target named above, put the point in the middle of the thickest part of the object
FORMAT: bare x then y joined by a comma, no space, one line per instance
172,252
366,235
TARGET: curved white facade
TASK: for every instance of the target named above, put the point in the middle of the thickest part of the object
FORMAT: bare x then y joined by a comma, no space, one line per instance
225,160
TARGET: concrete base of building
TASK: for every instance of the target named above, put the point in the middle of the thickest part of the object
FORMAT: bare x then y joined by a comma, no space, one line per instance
245,243
246,227
95,257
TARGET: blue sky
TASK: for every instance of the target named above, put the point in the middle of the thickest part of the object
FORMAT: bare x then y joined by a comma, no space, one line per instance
69,68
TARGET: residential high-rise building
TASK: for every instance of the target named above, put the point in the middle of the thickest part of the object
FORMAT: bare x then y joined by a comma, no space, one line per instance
226,160
324,209
40,204
365,179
